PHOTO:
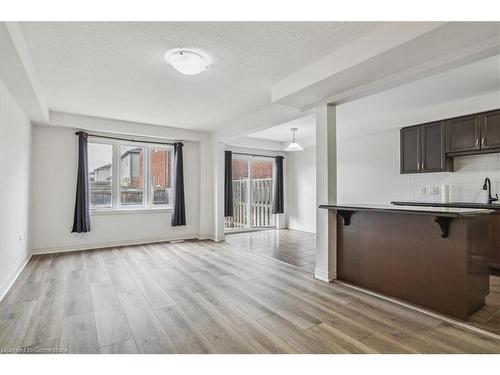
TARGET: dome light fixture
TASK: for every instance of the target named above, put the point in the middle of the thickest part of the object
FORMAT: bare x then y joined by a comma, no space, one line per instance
189,61
294,146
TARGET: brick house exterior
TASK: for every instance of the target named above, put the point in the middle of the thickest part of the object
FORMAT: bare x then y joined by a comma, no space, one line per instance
132,169
260,169
159,174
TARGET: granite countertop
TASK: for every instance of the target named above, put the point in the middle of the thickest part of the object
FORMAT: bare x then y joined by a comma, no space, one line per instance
492,206
412,209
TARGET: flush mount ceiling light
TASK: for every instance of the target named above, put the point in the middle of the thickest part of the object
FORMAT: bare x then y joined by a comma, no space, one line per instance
188,61
294,146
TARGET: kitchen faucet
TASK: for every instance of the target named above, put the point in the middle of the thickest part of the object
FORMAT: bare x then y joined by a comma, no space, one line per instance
487,186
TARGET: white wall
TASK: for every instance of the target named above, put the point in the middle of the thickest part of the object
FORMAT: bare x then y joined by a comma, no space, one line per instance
466,184
15,145
368,137
53,195
301,188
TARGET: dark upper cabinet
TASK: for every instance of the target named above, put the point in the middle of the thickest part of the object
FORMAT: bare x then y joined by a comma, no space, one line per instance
463,134
474,134
432,149
490,130
410,150
423,149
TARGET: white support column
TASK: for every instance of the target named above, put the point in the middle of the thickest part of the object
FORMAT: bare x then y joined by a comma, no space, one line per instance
206,189
326,193
218,160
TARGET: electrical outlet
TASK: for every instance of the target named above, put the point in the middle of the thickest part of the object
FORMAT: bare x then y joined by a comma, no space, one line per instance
434,190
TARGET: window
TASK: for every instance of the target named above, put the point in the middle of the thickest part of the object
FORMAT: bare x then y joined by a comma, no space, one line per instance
161,178
100,158
129,176
252,193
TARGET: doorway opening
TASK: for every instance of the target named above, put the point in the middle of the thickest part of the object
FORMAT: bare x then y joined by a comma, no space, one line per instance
253,181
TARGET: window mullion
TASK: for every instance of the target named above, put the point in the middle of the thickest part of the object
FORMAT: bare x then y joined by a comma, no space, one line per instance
116,176
146,186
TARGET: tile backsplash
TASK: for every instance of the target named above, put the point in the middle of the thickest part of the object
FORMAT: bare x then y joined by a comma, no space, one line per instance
466,183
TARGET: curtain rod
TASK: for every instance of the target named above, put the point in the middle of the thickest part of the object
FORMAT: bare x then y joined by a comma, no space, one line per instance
125,139
259,155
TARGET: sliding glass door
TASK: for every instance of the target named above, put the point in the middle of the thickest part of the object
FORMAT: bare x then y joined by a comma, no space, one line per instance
252,193
241,194
261,192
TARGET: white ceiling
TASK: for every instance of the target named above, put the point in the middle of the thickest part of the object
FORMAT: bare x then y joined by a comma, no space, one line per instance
116,69
306,130
375,113
389,109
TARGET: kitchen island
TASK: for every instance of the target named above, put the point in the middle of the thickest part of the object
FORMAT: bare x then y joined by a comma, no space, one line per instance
434,257
495,249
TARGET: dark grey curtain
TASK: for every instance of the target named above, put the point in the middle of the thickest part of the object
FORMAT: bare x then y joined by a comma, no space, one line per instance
81,221
179,212
278,199
228,184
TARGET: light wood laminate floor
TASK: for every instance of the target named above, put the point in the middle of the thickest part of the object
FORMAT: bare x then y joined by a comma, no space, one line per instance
206,297
299,248
488,317
290,246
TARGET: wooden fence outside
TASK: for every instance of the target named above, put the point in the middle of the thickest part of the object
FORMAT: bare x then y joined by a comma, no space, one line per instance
100,196
260,208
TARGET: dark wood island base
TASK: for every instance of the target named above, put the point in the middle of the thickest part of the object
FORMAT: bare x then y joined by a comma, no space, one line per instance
432,257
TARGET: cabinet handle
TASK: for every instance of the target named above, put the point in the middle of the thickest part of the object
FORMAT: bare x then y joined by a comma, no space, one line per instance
477,141
482,141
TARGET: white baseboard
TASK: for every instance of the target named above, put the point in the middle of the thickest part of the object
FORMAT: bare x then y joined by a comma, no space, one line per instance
301,229
206,237
324,275
13,277
102,245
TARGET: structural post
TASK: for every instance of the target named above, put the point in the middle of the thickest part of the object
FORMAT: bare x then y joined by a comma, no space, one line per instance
326,193
218,159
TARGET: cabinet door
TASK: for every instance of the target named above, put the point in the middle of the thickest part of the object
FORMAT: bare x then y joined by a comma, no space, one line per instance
463,134
433,157
410,150
490,130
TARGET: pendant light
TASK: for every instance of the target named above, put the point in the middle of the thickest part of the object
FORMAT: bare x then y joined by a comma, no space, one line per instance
294,146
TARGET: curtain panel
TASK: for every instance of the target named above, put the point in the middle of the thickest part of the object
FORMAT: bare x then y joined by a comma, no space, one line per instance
179,206
279,198
228,184
81,220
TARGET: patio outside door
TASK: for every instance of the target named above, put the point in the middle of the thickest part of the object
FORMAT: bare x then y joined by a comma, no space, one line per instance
252,193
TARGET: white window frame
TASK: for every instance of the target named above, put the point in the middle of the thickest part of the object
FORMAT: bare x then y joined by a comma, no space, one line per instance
147,205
